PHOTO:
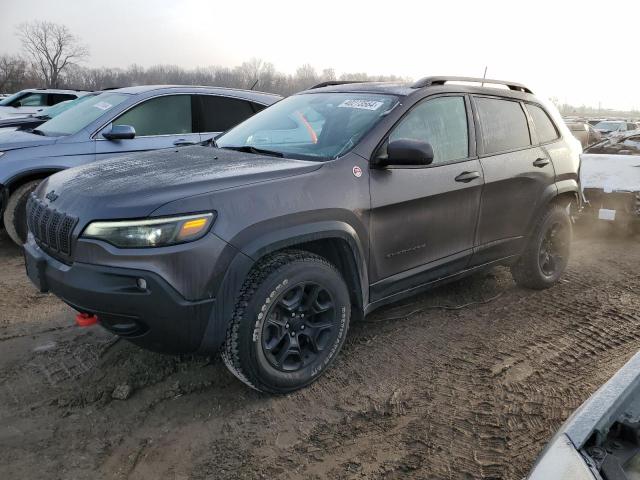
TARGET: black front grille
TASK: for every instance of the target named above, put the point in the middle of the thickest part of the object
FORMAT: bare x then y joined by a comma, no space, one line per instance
51,228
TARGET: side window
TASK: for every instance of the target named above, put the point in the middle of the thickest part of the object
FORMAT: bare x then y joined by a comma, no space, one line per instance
55,98
169,115
503,125
545,128
218,114
31,100
443,123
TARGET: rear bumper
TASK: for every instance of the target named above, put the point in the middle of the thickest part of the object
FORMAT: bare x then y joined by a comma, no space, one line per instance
625,204
136,304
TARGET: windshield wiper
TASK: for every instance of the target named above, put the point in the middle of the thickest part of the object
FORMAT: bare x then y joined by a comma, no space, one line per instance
257,151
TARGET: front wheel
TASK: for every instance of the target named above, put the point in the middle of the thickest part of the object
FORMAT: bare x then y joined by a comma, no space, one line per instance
289,324
546,256
15,215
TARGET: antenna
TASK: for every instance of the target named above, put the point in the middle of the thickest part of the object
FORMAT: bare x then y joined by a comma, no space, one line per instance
255,83
484,76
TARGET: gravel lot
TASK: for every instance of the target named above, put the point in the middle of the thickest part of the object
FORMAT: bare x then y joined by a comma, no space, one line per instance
473,392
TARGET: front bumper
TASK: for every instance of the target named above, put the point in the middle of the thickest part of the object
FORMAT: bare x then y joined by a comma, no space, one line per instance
154,316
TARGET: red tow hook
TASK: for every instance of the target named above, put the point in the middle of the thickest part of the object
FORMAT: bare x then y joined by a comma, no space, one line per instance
86,319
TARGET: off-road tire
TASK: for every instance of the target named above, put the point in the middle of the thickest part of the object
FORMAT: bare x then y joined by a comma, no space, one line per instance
527,272
15,214
243,352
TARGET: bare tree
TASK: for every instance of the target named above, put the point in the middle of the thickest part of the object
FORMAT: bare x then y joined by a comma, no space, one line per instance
52,47
12,72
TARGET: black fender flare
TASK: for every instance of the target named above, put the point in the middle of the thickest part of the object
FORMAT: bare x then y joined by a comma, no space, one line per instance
251,253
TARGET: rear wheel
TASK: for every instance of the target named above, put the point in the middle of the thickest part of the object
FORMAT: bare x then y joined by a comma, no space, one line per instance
15,215
547,254
289,324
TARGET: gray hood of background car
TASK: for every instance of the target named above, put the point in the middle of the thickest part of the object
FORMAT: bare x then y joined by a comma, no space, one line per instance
611,173
136,185
13,140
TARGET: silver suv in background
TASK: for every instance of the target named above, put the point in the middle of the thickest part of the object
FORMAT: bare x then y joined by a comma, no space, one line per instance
116,122
28,102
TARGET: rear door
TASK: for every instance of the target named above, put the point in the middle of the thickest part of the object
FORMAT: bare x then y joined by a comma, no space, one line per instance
160,122
423,220
216,114
517,172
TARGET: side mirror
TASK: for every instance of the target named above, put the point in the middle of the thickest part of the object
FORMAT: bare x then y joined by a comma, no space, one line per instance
120,132
408,152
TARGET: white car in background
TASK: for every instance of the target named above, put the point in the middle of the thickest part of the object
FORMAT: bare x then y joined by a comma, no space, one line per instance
614,127
31,101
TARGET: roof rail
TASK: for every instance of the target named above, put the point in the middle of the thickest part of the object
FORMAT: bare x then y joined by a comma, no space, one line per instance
332,83
431,81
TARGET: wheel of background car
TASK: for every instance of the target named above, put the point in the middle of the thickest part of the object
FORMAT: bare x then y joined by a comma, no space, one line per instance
15,215
290,322
546,256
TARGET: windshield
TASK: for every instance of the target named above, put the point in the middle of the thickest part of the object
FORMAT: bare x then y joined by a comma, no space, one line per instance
609,126
317,126
7,101
75,119
63,106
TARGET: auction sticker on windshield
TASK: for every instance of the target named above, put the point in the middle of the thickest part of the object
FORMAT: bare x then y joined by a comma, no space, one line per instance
103,105
361,104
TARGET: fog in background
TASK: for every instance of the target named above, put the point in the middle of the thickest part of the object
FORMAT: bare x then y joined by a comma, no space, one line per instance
578,52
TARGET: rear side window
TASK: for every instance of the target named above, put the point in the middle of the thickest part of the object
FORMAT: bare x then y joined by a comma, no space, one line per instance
31,100
55,98
545,128
503,125
219,114
168,115
443,123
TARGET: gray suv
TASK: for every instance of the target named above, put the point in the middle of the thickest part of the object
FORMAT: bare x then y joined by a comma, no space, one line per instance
319,209
113,123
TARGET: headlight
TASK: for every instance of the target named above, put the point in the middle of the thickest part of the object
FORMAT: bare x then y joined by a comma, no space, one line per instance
157,232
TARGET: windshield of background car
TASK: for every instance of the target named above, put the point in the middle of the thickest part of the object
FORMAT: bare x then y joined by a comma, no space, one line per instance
609,126
64,106
317,126
75,119
7,101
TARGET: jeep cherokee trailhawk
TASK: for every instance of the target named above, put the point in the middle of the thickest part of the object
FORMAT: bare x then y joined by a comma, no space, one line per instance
319,209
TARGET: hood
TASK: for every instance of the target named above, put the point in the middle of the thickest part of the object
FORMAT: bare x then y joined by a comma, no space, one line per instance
12,140
136,185
611,173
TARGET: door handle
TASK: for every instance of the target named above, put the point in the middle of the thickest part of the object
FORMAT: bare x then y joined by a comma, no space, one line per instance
541,162
181,142
466,177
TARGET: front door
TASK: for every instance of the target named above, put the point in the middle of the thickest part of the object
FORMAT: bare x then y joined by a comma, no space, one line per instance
161,122
423,220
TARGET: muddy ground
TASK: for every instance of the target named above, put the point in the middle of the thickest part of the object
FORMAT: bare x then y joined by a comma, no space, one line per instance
474,392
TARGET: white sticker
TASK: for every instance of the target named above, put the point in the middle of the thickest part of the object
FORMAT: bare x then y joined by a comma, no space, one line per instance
357,171
361,104
103,105
606,214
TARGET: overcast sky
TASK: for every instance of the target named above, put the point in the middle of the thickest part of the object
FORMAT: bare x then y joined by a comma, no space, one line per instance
583,52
